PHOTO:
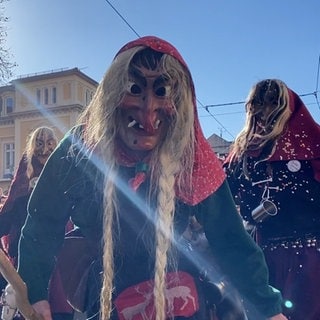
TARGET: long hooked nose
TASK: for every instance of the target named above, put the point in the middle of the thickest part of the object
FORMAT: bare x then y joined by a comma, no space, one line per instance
151,118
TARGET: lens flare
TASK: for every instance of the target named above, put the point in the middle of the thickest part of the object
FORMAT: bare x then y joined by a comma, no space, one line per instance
288,304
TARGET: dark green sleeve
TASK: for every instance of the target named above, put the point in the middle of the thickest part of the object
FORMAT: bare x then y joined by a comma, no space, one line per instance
43,233
238,256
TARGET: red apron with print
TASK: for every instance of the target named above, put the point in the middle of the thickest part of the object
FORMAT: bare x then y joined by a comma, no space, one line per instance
137,302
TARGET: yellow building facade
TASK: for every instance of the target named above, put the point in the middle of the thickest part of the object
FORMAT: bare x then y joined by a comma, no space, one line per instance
53,99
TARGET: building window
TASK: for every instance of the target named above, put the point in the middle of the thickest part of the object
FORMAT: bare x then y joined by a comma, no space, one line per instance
9,105
38,96
54,95
46,96
1,106
8,160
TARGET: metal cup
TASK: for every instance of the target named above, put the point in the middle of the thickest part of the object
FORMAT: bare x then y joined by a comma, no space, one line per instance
266,209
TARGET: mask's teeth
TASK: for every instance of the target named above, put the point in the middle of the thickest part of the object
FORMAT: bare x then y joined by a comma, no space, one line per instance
157,123
132,123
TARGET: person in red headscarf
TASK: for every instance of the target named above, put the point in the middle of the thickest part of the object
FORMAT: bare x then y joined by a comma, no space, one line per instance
40,144
130,175
274,173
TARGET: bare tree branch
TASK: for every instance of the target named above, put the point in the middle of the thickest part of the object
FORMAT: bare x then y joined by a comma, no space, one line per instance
6,63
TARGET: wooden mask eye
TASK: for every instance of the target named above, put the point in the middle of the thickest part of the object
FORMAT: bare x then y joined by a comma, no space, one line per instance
163,91
133,88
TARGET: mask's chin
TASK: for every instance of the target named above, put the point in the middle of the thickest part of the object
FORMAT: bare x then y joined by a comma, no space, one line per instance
133,153
137,141
42,158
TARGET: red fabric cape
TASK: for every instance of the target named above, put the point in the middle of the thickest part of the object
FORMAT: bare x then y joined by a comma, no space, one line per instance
207,174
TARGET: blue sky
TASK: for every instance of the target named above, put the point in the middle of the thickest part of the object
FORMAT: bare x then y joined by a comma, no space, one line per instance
228,44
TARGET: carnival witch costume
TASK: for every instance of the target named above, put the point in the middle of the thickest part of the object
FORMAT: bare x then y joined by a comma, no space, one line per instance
130,176
276,158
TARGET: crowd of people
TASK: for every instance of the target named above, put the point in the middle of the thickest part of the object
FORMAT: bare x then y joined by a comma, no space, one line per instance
136,169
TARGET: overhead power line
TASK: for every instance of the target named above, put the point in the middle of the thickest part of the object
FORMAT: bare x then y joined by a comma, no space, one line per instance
123,19
137,34
223,104
206,107
317,83
243,102
214,117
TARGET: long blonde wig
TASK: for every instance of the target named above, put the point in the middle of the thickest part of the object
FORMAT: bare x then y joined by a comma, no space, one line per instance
170,161
268,98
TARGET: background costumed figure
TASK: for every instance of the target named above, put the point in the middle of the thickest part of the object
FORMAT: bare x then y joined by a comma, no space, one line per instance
275,160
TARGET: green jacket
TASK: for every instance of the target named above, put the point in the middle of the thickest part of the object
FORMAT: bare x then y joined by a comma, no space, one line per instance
69,187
